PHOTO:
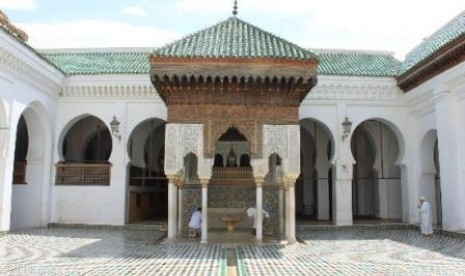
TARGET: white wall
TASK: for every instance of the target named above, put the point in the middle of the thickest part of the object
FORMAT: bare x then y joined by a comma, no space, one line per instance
103,204
28,83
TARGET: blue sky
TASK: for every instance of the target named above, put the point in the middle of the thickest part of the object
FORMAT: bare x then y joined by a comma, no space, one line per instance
395,25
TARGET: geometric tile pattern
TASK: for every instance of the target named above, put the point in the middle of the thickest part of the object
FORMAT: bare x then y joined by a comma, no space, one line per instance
68,251
74,251
357,252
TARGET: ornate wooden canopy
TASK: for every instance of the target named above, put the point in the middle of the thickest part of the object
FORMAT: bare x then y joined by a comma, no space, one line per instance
233,74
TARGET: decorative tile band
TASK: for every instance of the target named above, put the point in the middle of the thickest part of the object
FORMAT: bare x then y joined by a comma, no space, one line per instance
352,227
162,227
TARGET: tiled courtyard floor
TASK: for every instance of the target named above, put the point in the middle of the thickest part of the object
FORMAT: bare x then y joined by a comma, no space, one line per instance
74,251
358,252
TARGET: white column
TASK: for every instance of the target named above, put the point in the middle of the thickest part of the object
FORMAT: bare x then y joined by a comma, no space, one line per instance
172,209
281,209
342,173
383,185
8,137
342,194
204,238
180,207
323,199
449,144
290,212
259,215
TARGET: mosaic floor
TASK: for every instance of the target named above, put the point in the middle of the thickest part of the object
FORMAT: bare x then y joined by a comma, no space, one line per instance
77,251
357,252
67,251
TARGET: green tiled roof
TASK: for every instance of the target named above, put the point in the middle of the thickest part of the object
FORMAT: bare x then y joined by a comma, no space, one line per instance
89,62
357,63
117,61
24,43
447,34
236,39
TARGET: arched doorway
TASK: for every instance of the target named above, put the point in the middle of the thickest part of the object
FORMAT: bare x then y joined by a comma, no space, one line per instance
31,169
191,192
147,198
313,187
273,196
376,185
85,149
232,185
430,182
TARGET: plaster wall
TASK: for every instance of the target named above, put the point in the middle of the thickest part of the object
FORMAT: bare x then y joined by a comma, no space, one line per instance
102,204
27,83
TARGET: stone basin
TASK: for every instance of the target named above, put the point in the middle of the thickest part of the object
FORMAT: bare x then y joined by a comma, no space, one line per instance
230,221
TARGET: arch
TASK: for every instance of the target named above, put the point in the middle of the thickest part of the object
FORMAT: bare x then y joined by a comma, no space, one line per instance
230,144
312,187
78,133
244,160
326,129
143,129
232,134
427,150
395,129
30,202
430,183
376,185
147,188
190,168
218,161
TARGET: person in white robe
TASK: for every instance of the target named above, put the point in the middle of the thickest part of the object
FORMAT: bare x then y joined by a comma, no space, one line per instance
196,221
252,214
426,223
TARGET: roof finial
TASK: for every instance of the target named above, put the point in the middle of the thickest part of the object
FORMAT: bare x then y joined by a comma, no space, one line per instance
235,8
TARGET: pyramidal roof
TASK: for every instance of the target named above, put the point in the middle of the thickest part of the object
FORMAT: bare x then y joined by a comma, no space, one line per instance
234,38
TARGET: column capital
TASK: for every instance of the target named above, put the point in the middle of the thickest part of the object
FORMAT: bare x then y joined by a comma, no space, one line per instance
204,182
181,184
289,182
171,178
259,181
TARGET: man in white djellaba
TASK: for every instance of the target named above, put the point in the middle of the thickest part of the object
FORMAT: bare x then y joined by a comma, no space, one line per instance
196,221
426,223
252,214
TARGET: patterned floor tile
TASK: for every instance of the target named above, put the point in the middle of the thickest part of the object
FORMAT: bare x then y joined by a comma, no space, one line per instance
357,252
65,251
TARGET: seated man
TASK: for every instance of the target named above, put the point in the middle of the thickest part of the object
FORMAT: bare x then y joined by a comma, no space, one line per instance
252,214
196,221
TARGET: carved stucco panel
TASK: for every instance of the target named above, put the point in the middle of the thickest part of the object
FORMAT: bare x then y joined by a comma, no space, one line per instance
285,141
293,148
171,148
181,139
205,167
275,140
191,140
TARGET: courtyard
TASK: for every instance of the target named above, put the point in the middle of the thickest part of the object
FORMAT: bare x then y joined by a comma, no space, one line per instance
87,251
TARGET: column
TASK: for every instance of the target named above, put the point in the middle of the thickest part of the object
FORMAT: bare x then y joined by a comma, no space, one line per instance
172,208
281,209
204,237
180,206
259,214
323,199
449,144
342,173
290,211
342,194
7,148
